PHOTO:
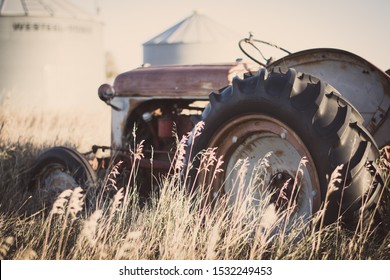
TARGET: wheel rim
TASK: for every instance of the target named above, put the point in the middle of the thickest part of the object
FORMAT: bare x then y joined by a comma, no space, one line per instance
251,137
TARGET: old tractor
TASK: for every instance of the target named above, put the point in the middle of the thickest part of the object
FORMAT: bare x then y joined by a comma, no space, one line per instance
328,106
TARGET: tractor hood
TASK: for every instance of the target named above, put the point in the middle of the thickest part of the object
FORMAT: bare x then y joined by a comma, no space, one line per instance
177,80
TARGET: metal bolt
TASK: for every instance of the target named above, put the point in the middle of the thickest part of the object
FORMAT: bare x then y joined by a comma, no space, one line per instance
234,139
280,176
283,135
314,193
147,117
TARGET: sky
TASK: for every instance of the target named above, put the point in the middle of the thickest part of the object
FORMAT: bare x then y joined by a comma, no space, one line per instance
361,27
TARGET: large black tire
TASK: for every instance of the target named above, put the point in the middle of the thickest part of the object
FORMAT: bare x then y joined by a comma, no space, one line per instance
314,119
58,169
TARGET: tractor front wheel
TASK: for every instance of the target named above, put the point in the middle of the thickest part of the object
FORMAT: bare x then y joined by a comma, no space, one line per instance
58,169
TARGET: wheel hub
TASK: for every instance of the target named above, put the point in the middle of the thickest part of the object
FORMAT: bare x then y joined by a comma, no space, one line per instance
252,137
281,185
54,181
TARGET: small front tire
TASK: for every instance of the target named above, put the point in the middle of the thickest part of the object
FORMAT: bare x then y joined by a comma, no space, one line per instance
58,169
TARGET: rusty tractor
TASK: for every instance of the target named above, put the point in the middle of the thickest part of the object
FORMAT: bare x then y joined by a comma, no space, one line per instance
328,106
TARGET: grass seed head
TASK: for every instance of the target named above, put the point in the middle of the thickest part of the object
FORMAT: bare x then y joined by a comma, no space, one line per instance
6,246
90,227
60,203
28,254
76,202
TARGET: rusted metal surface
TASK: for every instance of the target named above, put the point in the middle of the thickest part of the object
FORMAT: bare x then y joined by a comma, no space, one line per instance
165,127
362,83
192,82
252,137
177,80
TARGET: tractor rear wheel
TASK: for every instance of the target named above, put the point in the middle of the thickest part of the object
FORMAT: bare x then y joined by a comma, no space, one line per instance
294,116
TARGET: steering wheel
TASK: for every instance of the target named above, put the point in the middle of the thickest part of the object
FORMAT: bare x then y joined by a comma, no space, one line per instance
252,42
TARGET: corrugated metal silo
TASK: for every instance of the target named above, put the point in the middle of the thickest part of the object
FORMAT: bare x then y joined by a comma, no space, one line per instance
51,56
195,40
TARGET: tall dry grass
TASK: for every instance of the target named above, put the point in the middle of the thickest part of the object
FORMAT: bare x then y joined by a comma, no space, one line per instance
48,128
173,224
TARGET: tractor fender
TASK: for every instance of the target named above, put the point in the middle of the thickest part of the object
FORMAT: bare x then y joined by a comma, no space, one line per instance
363,84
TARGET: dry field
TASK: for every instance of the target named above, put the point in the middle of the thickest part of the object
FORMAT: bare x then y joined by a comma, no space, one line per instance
171,225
